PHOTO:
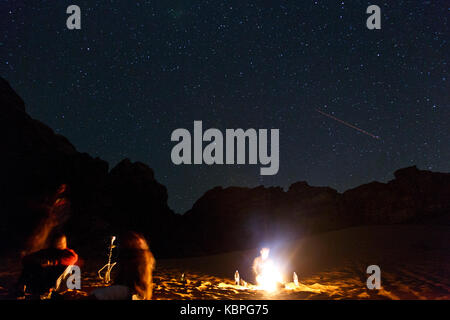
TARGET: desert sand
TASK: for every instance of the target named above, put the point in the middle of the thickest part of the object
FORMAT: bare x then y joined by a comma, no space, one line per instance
414,262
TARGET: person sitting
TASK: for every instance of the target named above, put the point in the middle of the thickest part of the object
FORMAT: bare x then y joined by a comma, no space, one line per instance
134,279
41,269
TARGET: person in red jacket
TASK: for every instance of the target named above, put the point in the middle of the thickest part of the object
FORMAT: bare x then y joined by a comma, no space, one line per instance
41,269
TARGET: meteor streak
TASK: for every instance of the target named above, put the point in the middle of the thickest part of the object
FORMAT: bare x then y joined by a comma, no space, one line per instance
348,124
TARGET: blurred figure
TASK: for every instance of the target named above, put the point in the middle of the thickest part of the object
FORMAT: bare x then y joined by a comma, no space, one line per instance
136,264
42,269
259,262
236,278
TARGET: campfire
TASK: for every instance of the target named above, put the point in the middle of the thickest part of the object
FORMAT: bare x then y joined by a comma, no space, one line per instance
270,278
268,275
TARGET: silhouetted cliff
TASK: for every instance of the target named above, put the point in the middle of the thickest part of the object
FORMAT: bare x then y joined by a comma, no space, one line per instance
238,218
35,162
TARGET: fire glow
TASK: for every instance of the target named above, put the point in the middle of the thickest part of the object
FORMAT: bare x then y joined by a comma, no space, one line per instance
268,275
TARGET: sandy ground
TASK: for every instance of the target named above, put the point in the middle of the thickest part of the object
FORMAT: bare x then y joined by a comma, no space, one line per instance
414,263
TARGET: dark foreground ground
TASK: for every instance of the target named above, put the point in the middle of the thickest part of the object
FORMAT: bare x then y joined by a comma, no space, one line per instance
414,262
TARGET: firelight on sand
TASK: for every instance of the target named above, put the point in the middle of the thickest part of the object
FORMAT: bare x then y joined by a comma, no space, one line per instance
268,275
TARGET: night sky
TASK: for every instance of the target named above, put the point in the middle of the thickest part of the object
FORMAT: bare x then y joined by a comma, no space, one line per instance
137,70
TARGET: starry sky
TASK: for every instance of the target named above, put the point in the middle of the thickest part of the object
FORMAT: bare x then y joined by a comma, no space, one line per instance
137,70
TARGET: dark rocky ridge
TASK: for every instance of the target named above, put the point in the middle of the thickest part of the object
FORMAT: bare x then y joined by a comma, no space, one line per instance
35,162
245,218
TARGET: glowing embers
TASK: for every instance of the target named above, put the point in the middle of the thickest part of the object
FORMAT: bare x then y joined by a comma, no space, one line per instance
268,275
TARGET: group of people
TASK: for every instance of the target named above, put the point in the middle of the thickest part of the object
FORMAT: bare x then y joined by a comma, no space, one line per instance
42,270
